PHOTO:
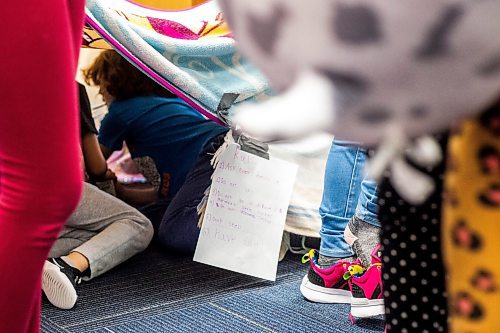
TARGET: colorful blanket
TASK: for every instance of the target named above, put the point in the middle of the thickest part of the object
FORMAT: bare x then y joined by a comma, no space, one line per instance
191,52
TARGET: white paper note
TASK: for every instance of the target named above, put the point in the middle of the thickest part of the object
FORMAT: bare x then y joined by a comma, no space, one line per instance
246,213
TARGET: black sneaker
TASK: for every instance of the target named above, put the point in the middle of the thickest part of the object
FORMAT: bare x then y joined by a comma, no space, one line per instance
59,281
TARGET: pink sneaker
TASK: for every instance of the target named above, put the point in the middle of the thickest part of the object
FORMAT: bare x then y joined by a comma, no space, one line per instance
328,285
367,293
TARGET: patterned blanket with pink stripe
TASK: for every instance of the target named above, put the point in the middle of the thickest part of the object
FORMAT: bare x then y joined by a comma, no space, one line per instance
191,52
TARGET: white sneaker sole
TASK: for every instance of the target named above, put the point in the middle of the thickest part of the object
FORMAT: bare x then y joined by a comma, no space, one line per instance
57,287
319,294
363,308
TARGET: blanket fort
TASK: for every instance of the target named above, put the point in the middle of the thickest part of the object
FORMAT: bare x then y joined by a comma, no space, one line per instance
189,52
246,212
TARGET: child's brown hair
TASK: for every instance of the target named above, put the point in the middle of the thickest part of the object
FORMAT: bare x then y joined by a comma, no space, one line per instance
121,79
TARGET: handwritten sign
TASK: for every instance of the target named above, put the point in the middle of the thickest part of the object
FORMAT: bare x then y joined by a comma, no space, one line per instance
246,212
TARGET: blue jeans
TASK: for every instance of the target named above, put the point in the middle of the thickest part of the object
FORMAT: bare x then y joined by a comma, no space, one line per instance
346,193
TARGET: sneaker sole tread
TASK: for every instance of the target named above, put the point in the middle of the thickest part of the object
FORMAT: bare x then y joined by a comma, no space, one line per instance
57,287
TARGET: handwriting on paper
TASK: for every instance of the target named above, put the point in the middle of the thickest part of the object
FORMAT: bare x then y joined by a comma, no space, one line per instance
245,214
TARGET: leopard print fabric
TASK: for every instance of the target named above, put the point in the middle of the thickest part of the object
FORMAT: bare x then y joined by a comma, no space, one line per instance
472,225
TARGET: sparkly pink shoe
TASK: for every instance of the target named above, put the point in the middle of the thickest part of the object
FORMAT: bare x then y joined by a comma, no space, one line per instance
328,285
367,293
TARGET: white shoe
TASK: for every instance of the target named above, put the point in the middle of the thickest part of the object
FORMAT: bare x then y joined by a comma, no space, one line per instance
58,283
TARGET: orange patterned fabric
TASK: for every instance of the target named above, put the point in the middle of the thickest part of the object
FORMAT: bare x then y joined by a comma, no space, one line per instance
472,225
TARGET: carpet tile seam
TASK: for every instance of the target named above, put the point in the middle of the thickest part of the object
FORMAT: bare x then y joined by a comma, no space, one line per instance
55,324
291,283
165,318
248,320
122,321
206,304
162,304
154,287
322,319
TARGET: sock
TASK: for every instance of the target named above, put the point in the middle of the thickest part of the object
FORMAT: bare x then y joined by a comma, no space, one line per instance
67,260
325,261
363,237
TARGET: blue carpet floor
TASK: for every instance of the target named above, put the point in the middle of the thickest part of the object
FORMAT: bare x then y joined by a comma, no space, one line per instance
155,292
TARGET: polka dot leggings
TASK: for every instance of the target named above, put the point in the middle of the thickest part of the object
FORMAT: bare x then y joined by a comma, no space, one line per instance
413,272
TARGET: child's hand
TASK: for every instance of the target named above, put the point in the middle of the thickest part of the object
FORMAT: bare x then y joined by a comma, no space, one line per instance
110,175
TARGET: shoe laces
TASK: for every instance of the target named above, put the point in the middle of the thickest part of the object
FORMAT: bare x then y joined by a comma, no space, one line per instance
355,270
376,254
310,256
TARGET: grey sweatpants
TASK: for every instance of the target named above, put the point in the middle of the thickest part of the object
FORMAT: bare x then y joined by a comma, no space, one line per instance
105,230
